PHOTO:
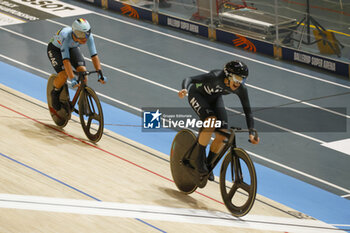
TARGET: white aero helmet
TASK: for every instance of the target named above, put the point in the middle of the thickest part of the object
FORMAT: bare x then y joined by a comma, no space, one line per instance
81,28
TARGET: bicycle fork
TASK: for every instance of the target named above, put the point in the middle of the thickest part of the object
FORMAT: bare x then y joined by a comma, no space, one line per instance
85,103
236,168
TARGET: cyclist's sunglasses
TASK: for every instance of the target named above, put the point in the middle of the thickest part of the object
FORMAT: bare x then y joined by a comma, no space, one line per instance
82,35
235,78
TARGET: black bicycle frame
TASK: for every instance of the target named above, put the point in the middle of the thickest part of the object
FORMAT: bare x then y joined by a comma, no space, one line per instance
231,143
81,78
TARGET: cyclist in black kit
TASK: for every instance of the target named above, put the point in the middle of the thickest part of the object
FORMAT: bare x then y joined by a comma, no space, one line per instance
205,97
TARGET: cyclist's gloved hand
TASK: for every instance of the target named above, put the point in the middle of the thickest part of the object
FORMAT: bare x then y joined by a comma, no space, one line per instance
74,82
102,79
253,136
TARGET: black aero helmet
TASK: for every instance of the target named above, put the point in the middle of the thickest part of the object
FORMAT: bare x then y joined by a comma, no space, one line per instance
233,68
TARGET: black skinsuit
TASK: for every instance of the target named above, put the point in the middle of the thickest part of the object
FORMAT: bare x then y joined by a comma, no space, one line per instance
205,96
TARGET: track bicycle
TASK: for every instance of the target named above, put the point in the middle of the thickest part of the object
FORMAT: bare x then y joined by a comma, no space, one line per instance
238,182
89,106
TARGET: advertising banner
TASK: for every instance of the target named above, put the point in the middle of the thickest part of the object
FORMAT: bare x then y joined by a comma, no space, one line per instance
130,10
244,42
183,25
316,61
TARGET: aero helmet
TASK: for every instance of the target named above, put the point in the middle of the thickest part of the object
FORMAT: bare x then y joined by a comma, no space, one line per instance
81,28
234,69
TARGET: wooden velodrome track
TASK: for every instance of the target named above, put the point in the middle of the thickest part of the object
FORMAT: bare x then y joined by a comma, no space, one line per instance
53,180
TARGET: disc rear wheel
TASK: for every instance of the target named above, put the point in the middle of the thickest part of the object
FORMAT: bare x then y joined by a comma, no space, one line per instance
182,175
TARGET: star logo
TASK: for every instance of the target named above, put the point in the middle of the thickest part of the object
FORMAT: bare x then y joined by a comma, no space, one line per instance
151,120
156,115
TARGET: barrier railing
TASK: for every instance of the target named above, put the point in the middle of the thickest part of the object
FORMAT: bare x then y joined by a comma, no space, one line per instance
303,31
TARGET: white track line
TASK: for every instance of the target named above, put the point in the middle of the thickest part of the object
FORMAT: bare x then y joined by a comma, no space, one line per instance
205,71
299,101
103,64
159,213
254,154
172,89
168,88
278,127
223,51
138,109
48,74
341,225
136,49
302,173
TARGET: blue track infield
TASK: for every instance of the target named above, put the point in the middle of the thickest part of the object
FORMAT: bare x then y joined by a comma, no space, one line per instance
291,192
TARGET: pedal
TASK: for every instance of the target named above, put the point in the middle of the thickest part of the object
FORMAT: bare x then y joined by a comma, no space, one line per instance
200,180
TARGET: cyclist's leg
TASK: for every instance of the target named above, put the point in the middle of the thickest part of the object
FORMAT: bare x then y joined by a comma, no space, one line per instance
202,107
221,114
55,58
56,91
204,137
218,143
206,133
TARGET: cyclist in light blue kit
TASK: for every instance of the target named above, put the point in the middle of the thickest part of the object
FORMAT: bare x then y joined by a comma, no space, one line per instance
64,52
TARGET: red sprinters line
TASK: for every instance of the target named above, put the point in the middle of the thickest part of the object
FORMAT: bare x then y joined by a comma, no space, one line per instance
105,151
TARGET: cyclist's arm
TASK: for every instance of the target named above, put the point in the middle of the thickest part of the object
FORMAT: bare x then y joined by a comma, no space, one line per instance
242,93
91,46
68,68
96,62
93,53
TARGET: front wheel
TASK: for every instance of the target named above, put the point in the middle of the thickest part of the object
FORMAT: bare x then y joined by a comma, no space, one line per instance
238,183
91,115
